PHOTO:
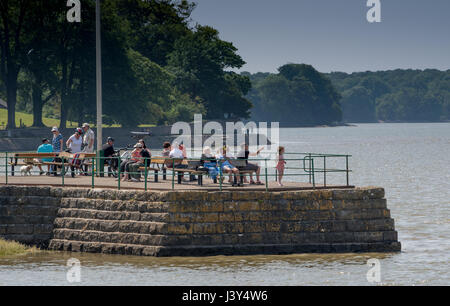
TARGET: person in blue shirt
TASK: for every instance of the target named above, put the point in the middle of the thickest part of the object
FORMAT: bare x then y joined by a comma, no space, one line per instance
45,147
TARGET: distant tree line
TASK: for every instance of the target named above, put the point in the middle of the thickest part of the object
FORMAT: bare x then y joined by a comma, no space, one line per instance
300,95
158,67
394,96
297,95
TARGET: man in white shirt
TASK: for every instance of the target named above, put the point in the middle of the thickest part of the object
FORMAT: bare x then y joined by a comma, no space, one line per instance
88,139
177,153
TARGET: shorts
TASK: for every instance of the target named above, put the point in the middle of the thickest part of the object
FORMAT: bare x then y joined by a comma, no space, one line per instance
226,164
251,167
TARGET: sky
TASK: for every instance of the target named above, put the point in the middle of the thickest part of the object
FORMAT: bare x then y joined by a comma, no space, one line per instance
332,35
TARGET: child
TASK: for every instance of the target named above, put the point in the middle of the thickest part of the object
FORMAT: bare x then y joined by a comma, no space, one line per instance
280,165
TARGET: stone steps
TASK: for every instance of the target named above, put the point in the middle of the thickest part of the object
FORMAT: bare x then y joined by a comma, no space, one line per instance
123,226
114,205
108,237
212,250
103,247
112,215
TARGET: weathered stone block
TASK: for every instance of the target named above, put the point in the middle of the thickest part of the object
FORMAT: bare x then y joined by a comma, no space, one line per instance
204,228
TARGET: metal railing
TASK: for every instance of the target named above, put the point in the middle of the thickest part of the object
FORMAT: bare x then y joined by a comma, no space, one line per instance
312,163
305,165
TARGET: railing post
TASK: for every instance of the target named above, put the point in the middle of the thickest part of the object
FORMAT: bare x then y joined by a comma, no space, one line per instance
173,174
94,163
145,173
313,174
346,162
267,180
220,175
118,172
63,170
6,167
310,167
325,171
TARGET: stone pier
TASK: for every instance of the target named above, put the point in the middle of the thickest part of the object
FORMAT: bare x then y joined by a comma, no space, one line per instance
198,223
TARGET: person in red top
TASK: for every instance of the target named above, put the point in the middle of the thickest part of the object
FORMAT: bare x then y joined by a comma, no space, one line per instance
135,158
280,165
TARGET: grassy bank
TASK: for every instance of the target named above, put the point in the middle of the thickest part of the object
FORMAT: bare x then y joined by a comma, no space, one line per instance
27,121
10,248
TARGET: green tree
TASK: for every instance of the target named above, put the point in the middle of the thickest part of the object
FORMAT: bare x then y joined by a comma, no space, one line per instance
199,61
16,30
299,95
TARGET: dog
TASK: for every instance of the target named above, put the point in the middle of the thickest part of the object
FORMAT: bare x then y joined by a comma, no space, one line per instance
26,170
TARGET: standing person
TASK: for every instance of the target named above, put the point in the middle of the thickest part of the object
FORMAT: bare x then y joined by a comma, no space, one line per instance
74,144
244,154
280,165
57,141
88,138
58,146
75,141
45,147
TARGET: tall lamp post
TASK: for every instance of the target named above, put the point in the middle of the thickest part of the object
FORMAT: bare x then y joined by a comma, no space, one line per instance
98,44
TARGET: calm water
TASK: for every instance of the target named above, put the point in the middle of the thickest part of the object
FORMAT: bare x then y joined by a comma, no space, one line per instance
412,161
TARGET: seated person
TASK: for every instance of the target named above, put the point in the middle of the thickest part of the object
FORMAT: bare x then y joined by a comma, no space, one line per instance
45,147
209,162
225,165
109,152
144,160
244,154
177,154
147,153
135,158
167,147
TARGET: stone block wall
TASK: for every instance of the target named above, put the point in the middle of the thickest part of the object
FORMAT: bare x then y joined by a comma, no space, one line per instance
27,215
206,223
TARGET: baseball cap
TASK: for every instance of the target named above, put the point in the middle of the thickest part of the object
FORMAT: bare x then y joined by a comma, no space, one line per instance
85,125
54,129
138,145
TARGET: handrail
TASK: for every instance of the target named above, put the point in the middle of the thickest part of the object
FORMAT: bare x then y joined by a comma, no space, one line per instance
311,164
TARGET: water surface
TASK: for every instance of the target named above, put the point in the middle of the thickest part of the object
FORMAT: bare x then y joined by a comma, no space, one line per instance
411,161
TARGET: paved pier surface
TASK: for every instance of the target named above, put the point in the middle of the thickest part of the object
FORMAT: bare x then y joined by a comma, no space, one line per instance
161,185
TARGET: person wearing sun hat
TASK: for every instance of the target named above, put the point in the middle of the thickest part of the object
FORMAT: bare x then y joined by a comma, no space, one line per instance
135,158
57,141
88,138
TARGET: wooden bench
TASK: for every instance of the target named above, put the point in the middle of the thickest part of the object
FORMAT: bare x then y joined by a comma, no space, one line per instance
241,164
25,159
66,157
193,170
161,164
155,165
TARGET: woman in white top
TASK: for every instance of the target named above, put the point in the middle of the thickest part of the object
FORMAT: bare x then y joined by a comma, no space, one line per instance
75,141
